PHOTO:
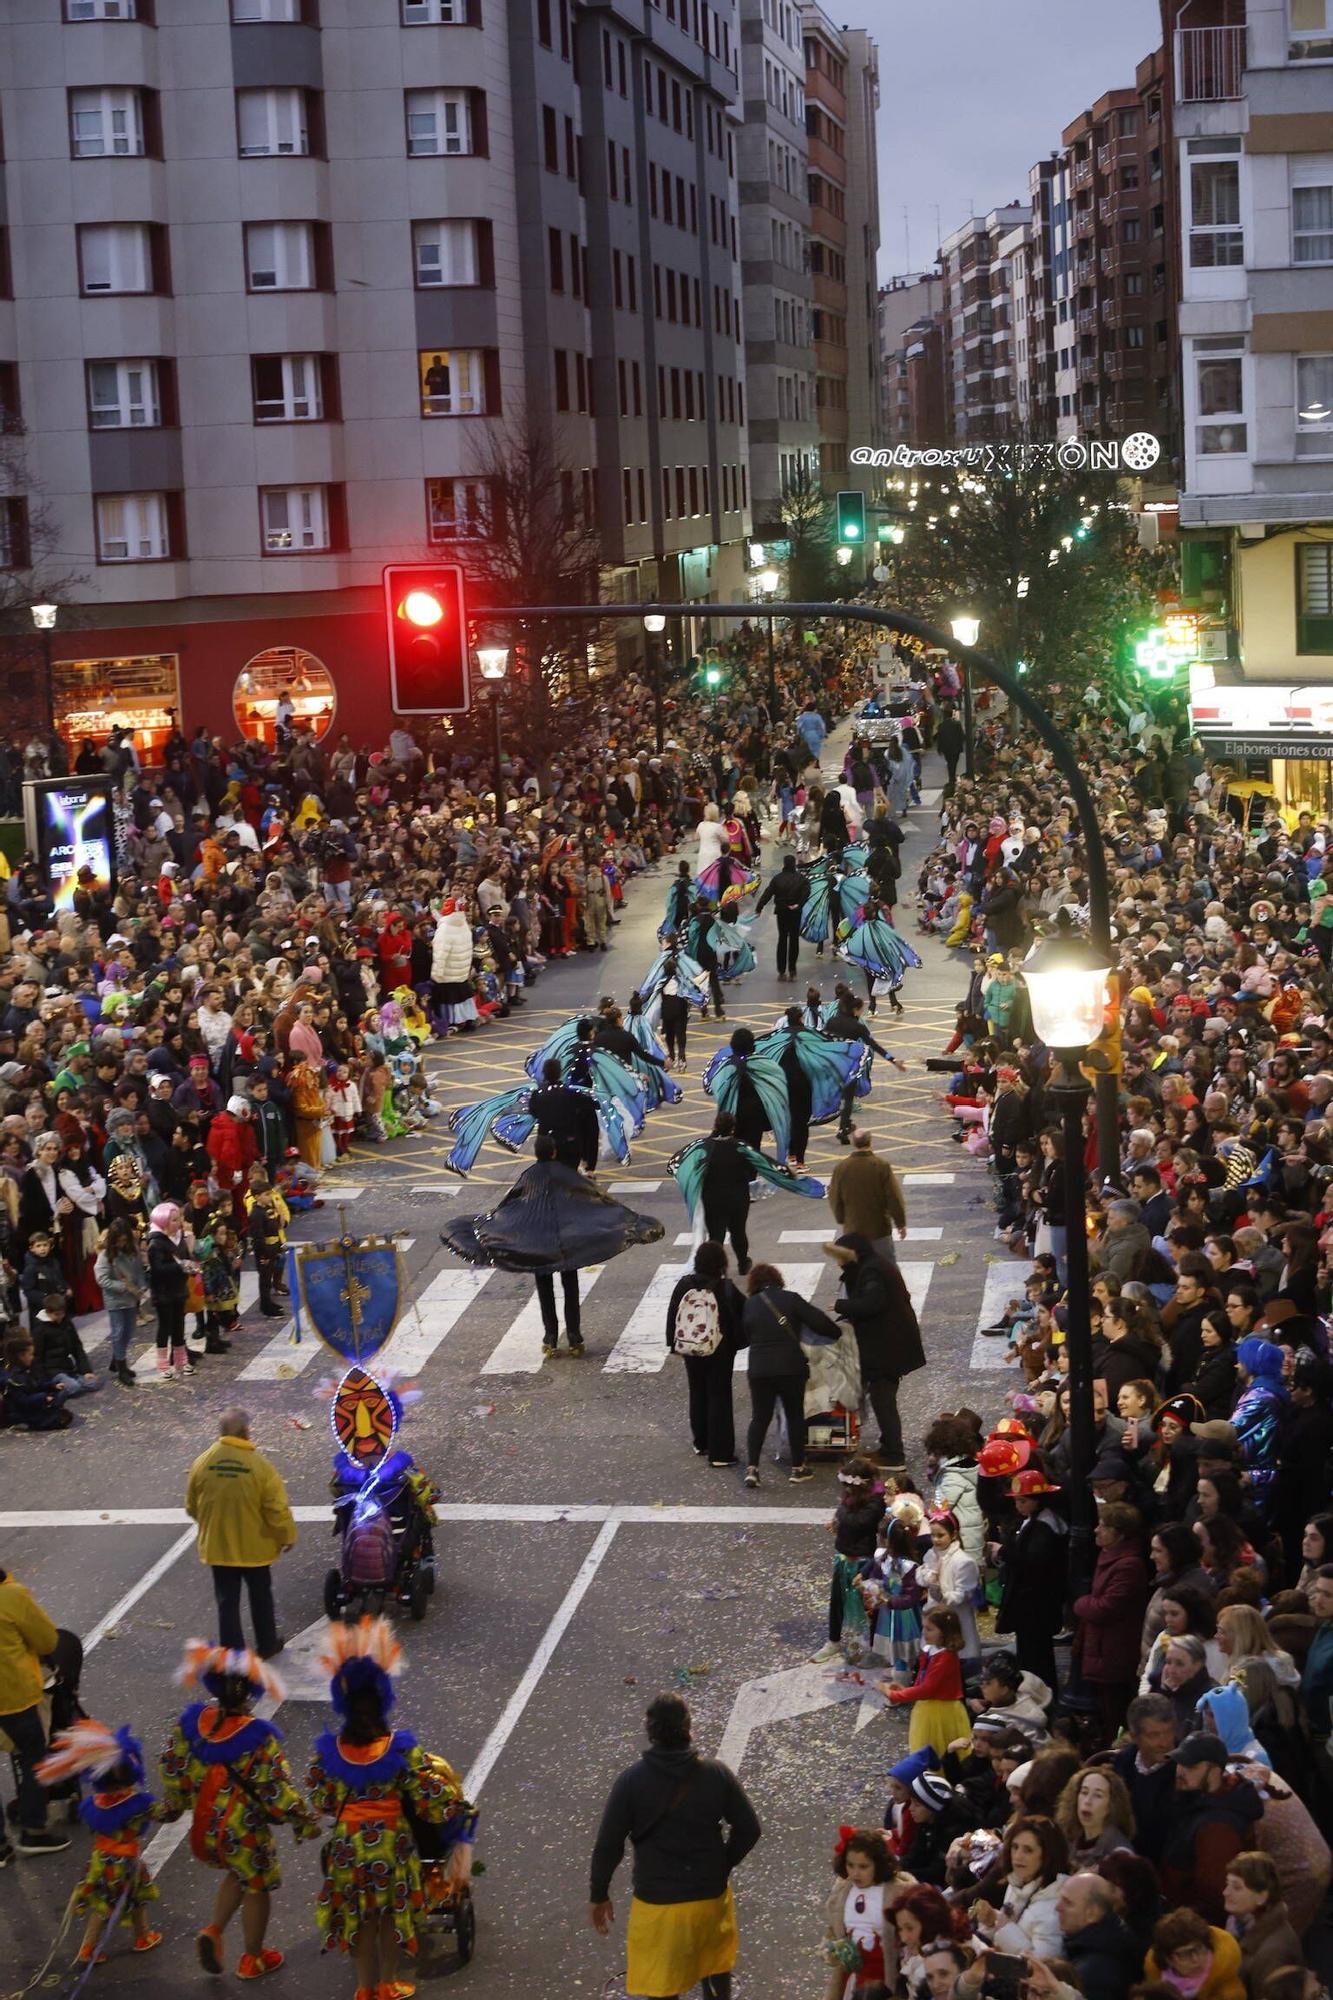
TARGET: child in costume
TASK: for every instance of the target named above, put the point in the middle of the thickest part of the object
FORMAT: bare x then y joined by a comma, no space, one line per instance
221,1253
228,1770
345,1106
365,1777
118,1811
855,1528
891,1589
936,1695
858,1922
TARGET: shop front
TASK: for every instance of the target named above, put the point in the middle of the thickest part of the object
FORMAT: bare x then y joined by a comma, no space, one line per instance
1277,738
139,692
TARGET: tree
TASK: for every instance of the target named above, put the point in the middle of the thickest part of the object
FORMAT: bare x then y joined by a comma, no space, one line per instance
807,523
31,572
543,548
1045,559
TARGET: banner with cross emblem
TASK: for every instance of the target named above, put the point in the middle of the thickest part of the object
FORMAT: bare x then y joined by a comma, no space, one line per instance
351,1291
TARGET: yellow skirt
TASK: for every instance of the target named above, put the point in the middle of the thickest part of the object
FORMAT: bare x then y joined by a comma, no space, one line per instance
671,1946
937,1723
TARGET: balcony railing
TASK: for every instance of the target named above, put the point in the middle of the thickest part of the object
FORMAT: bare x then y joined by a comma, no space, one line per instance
1082,174
1210,63
1088,368
1085,270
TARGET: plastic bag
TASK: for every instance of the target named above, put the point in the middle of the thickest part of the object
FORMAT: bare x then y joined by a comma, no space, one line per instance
834,1381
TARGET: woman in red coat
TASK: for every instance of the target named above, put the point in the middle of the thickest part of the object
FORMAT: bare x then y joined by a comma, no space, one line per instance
1110,1617
233,1149
393,948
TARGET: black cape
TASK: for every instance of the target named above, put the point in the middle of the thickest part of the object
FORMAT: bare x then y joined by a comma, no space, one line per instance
552,1219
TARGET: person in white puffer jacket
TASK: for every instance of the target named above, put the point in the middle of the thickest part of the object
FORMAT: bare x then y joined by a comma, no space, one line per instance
712,838
452,1003
1035,1858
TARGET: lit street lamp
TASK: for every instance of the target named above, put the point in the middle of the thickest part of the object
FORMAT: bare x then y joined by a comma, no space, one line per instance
654,625
967,630
493,663
1066,982
44,618
768,581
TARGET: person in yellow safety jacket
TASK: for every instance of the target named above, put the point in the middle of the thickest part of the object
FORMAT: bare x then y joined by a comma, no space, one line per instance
245,1522
27,1637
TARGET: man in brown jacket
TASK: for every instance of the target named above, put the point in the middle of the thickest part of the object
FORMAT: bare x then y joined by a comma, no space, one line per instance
866,1196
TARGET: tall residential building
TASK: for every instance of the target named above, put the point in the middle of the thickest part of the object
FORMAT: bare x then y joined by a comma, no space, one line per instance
1252,119
911,360
826,85
1014,326
864,413
282,283
978,405
1046,193
775,256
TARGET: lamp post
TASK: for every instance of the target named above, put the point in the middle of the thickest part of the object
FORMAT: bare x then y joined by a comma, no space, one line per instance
654,625
967,631
768,581
493,662
44,618
1066,982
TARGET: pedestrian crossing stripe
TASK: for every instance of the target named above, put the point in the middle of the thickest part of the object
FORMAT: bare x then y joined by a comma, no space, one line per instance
520,1351
827,1235
635,1187
437,1187
1003,1283
329,1193
282,1356
422,1328
928,1180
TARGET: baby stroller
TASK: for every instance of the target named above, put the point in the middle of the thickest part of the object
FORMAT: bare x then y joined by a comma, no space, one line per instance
62,1672
447,1910
383,1518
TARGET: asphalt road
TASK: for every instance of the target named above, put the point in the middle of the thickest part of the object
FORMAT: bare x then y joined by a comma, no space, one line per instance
587,1558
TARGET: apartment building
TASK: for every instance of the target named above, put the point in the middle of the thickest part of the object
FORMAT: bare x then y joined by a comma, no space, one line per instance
1036,362
864,409
980,399
1251,90
278,284
911,360
775,257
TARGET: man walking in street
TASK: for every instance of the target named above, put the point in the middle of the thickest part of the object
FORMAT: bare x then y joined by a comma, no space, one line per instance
866,1196
673,1805
725,1190
950,742
239,1503
788,891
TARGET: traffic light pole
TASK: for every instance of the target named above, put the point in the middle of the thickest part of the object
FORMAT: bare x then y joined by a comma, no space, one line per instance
888,617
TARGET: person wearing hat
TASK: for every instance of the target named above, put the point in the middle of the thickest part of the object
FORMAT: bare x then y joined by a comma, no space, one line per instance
1257,1417
939,1816
1033,1563
233,1150
875,1301
1215,1816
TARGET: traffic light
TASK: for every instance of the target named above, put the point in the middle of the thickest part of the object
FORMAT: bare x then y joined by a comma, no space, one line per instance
426,631
852,519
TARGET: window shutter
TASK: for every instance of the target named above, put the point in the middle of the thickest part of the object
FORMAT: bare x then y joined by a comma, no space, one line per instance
480,139
491,377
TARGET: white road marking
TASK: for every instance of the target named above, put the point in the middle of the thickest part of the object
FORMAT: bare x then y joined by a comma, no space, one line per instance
641,1348
331,1194
437,1187
1003,1282
931,795
422,1328
635,1187
781,1697
917,1279
929,1180
283,1357
520,1350
153,1574
513,1709
464,1511
827,1235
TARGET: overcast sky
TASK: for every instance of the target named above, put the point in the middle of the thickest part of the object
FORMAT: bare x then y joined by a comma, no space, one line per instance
973,92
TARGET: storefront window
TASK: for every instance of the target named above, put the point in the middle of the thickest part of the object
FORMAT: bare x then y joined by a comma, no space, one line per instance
288,687
142,694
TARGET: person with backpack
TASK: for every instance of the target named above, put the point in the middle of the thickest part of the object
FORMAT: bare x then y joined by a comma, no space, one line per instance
703,1326
778,1370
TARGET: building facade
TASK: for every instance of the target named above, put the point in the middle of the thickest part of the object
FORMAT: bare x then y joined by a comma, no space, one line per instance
911,360
864,397
978,404
280,289
775,257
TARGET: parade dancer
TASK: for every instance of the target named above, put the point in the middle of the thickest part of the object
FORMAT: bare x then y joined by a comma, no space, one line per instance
699,938
883,956
837,896
753,1088
818,1072
227,1768
366,1777
118,1812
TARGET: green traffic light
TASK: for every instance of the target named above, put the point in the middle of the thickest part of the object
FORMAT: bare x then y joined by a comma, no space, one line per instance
712,675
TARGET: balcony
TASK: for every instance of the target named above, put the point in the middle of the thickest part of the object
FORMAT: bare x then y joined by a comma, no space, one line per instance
1081,176
1085,270
1086,321
1210,64
1089,368
1084,222
1127,366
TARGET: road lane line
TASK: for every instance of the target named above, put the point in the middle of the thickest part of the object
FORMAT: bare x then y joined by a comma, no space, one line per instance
512,1713
929,1180
641,1348
519,1352
827,1235
572,1512
1003,1282
152,1575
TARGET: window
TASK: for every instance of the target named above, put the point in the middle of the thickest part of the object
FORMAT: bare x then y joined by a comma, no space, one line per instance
458,509
288,388
453,383
294,518
15,541
1131,230
280,256
105,122
438,121
1314,405
1126,124
115,257
561,379
439,13
1134,336
446,253
1312,225
1215,234
266,10
271,122
132,527
1311,38
101,10
123,395
555,259
1133,284
1219,377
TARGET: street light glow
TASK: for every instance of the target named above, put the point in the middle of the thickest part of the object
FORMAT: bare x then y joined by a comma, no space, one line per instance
493,662
1066,982
655,621
421,607
966,630
768,580
44,616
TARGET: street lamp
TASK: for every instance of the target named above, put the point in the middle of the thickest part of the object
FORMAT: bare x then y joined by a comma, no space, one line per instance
654,625
1065,978
44,618
768,581
967,630
493,663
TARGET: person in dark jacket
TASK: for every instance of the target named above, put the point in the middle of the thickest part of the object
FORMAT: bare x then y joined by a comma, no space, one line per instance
169,1268
1109,1617
568,1115
800,1096
1002,913
691,1825
950,742
778,1369
788,892
725,1189
1105,1955
939,1817
1214,1817
1214,1378
712,1418
1032,1575
877,1304
846,1025
1144,1764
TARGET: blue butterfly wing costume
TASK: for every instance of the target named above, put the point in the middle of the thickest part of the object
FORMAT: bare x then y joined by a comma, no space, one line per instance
722,1081
828,1066
471,1123
688,1166
876,946
853,892
816,917
735,953
690,978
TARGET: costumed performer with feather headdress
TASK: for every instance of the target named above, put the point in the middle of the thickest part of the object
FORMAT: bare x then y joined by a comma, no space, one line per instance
118,1811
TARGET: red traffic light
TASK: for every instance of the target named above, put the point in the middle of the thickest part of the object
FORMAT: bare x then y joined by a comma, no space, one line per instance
426,631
